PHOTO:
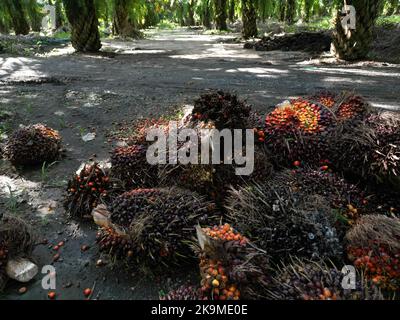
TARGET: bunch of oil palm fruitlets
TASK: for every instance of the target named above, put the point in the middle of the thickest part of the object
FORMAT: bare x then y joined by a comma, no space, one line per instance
295,130
224,109
33,145
349,201
86,190
129,165
184,292
309,280
310,129
230,266
157,222
287,217
374,248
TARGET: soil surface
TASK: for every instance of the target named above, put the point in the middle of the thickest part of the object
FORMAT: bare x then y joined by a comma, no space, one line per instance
78,94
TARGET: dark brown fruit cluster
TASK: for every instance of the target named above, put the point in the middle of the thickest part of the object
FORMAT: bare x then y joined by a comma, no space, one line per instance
159,221
130,166
184,292
306,280
286,218
33,145
86,190
224,109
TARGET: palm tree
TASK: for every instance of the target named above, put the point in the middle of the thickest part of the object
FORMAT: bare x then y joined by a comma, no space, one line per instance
290,11
85,36
122,23
249,18
351,44
16,12
221,14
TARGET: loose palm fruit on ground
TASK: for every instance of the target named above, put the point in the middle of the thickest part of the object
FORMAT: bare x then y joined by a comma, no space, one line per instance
86,190
32,145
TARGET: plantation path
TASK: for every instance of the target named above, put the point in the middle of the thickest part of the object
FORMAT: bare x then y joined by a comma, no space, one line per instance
77,94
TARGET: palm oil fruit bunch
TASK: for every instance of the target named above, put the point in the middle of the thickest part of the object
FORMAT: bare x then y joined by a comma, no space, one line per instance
215,284
224,109
143,126
184,292
310,280
351,108
159,222
374,247
294,131
129,165
115,244
285,220
225,233
347,198
86,190
385,158
299,115
230,267
325,98
33,144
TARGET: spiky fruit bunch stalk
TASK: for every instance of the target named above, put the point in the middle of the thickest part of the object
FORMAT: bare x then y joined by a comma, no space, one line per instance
230,267
309,280
33,145
224,109
374,247
159,222
130,166
285,218
184,292
86,190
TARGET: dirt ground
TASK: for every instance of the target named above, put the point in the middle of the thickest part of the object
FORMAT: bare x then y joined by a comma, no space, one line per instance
77,94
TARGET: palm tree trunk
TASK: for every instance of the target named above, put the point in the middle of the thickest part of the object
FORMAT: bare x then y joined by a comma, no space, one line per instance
85,36
354,44
290,11
123,25
206,14
249,18
19,21
307,9
220,14
231,14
